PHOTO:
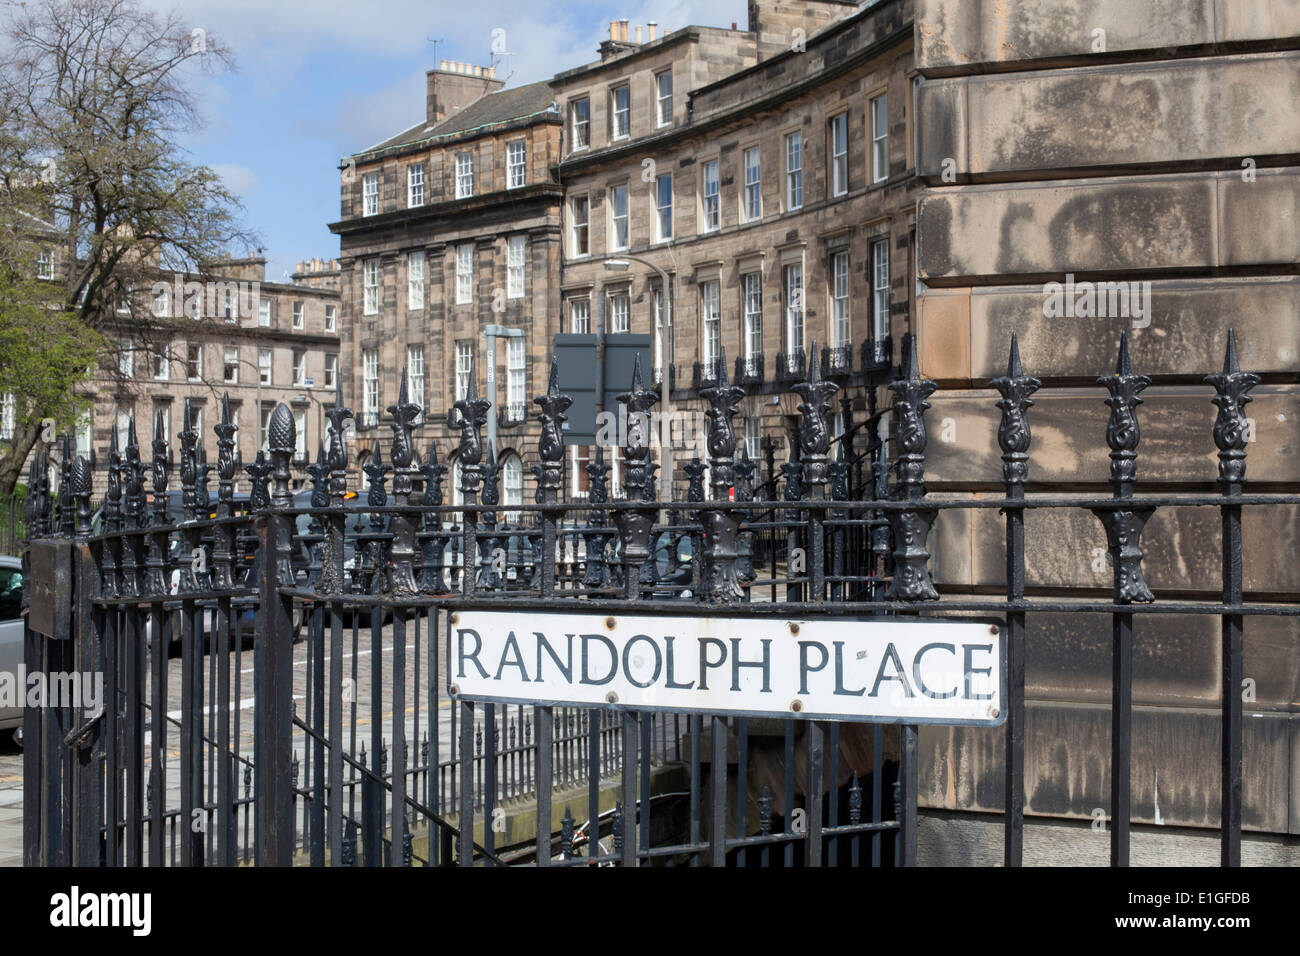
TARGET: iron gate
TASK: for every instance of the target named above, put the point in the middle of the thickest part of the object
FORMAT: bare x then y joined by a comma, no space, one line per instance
286,774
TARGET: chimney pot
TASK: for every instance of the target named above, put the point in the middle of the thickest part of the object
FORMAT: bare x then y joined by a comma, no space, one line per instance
650,30
622,29
442,65
613,29
637,33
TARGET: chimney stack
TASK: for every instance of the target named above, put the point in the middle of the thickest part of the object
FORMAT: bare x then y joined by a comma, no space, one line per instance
455,85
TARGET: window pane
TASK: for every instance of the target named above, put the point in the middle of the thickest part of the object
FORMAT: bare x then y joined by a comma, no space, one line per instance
580,238
664,198
415,185
464,274
580,314
840,154
622,111
581,113
516,163
879,139
753,188
664,95
711,322
415,280
840,297
794,170
710,196
618,212
464,175
753,290
516,250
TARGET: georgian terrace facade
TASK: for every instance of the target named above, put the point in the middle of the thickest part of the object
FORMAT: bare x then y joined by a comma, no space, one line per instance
782,212
226,331
448,228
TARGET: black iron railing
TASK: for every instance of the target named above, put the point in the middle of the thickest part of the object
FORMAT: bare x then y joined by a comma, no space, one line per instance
311,752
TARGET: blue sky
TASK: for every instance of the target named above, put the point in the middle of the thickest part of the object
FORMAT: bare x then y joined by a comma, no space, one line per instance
315,81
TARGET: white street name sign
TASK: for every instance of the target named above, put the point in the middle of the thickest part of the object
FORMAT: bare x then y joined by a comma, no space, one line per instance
895,669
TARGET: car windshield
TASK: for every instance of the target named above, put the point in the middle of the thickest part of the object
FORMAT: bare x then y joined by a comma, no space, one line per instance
11,593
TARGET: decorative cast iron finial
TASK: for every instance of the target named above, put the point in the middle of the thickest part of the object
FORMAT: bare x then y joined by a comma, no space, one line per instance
638,400
634,525
259,473
720,582
376,471
134,477
855,800
1232,387
597,570
491,481
320,473
82,479
1122,432
550,444
473,416
695,479
202,499
338,416
189,465
838,470
402,546
433,472
404,413
225,430
910,405
282,440
113,493
1124,524
431,578
161,467
814,435
1013,431
223,535
723,399
911,578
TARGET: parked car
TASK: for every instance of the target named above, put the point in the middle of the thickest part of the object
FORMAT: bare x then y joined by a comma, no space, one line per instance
11,639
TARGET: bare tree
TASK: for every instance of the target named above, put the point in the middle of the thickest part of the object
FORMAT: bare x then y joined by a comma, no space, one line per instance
93,97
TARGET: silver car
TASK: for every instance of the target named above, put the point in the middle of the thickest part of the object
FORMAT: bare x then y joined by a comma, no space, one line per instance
11,637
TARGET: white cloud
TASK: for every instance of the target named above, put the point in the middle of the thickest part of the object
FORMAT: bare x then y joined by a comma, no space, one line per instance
240,180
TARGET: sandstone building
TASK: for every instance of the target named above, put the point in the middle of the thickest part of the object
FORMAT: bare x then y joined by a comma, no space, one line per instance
1145,143
227,330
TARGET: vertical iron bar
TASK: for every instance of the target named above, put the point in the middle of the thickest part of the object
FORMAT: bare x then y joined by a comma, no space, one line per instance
190,769
718,785
907,773
465,820
397,825
816,773
630,731
1014,440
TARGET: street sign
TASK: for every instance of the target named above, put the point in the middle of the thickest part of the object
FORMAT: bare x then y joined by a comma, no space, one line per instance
592,377
884,670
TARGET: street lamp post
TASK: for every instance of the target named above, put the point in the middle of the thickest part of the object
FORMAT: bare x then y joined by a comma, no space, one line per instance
491,333
665,398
